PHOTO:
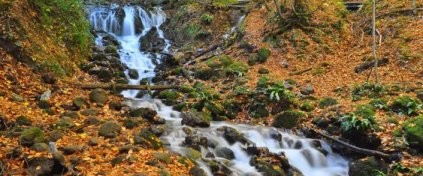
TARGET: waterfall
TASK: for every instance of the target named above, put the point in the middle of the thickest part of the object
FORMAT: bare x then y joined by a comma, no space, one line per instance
302,153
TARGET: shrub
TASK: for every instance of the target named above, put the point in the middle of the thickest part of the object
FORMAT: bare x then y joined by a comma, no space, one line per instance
406,105
206,18
262,55
361,120
368,90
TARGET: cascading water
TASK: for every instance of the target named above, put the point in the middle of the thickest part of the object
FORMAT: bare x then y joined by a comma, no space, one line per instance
302,153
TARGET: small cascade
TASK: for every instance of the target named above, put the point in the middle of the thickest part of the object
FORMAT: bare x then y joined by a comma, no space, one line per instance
309,156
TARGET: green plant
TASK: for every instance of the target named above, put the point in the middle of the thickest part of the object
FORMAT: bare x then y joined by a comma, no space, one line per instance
223,3
262,55
379,104
406,105
206,18
277,92
362,119
192,29
369,90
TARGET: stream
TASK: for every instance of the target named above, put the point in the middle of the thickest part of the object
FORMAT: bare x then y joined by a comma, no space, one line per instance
311,157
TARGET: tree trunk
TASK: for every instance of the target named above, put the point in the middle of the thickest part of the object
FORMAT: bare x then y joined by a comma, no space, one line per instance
374,40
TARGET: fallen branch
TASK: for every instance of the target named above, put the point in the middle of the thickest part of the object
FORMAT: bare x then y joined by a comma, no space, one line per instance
127,86
300,71
356,149
366,21
369,64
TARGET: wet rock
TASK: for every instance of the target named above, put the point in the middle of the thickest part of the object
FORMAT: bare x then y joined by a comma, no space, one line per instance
80,102
413,130
197,171
147,139
288,119
195,141
31,136
109,129
48,78
320,122
109,38
232,135
225,152
40,147
192,154
103,73
367,166
151,42
271,165
99,96
196,119
308,90
158,130
133,74
45,166
111,50
145,113
23,120
71,149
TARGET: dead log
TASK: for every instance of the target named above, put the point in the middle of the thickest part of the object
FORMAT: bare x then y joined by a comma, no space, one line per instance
370,64
356,149
300,71
127,86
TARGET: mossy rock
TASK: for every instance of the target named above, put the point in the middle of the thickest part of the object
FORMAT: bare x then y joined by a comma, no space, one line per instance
99,96
80,102
192,154
288,119
109,129
367,166
163,157
196,119
22,120
327,101
168,95
413,130
307,106
65,122
31,136
147,139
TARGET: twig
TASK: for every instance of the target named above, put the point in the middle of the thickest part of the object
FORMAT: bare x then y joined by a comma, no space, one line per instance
300,71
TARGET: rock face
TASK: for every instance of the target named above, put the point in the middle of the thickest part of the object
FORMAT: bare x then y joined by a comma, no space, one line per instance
151,42
196,119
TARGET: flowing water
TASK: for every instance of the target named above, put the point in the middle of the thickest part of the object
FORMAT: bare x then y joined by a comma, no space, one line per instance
302,153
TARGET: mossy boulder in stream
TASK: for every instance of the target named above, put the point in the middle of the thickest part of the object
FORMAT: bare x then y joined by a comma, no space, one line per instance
31,136
196,119
413,130
288,119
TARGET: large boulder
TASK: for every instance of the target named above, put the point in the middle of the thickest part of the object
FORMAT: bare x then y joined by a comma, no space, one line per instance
413,130
196,119
151,42
232,135
288,119
367,166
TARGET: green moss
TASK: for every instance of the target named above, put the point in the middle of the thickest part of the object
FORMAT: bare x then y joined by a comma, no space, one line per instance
31,136
168,95
307,106
413,130
263,54
288,119
327,101
206,18
223,3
